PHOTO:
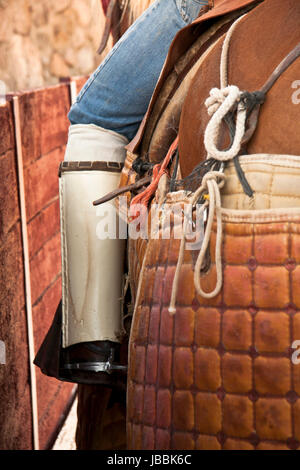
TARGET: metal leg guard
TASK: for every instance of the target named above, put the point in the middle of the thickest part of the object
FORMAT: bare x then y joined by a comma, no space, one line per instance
92,268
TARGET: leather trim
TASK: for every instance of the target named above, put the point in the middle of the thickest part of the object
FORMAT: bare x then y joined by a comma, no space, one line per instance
112,167
289,214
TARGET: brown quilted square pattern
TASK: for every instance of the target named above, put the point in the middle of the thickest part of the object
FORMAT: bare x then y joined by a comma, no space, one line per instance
237,370
295,286
237,416
271,286
296,325
273,418
183,414
237,294
271,249
295,247
272,332
166,327
151,365
183,368
143,327
272,375
184,327
165,366
204,404
207,369
237,250
207,327
162,439
296,378
296,414
164,408
218,374
237,329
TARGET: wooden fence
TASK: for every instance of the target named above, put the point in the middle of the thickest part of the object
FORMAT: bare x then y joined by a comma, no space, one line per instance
43,134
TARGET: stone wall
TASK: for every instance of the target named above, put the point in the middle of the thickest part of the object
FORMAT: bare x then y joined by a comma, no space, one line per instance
42,40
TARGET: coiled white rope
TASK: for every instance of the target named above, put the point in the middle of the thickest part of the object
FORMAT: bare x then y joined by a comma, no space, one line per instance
219,103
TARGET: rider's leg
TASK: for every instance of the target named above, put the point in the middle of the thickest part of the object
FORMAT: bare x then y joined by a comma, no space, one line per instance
92,265
106,115
117,95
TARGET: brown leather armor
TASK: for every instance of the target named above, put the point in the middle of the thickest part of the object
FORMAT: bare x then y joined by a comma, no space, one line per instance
218,374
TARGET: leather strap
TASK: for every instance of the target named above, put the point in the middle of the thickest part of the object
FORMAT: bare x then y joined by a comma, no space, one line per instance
275,75
282,67
107,27
124,189
112,167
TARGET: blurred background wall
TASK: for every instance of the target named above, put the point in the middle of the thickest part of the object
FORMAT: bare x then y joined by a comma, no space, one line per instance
42,40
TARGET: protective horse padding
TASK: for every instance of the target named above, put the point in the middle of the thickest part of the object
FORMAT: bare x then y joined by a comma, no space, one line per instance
274,180
219,374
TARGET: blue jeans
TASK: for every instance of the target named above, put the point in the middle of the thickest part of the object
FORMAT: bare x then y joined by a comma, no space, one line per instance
117,95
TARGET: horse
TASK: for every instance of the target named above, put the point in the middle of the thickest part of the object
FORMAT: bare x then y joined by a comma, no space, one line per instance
211,343
214,372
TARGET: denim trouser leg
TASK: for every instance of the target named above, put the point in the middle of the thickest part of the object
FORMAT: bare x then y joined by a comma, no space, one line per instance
117,95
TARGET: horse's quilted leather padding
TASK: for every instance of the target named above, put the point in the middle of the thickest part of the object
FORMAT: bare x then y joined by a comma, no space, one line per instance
218,374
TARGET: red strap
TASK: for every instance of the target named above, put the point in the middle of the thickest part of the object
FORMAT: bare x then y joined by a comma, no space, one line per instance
105,4
158,170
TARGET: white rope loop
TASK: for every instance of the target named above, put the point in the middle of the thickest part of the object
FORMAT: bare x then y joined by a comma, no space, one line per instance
212,182
219,103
